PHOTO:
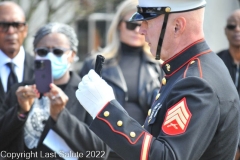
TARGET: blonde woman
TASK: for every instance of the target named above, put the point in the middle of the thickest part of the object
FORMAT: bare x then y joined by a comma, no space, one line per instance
129,67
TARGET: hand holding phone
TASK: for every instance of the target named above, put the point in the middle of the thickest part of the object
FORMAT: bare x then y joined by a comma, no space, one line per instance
43,75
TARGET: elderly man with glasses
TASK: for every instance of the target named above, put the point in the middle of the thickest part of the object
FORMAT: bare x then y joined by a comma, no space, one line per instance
15,64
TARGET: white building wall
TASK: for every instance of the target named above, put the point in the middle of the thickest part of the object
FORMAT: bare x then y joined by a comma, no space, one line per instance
216,14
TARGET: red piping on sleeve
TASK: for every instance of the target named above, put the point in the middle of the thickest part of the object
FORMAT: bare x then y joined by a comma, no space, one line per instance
122,134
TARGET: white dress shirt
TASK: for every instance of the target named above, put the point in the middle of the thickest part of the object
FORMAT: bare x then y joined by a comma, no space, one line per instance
18,60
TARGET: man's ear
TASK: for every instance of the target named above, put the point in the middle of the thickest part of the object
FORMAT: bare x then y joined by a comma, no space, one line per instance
180,25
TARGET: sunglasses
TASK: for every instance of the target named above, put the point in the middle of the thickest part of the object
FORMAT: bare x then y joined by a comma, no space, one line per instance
42,52
131,25
18,26
231,26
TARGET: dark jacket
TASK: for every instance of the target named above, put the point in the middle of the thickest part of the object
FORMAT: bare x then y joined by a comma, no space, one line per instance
71,125
28,72
149,85
195,116
233,69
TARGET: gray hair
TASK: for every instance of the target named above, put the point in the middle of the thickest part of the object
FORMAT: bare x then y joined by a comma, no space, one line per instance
57,28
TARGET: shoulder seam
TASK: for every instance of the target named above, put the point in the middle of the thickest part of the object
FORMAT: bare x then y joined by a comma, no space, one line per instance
199,68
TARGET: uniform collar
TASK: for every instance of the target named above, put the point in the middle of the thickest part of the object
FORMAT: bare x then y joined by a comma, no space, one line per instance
182,58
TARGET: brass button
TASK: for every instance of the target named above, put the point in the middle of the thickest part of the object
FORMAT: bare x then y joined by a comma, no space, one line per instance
120,123
168,9
192,62
106,114
149,112
132,134
168,67
149,120
157,96
164,81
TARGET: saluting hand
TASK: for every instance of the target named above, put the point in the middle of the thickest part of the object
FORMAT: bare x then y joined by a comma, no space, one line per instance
58,100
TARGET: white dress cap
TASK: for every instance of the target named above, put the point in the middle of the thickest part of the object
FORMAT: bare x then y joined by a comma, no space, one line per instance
175,5
149,9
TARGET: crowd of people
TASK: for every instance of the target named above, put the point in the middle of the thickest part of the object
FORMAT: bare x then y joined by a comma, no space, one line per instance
160,95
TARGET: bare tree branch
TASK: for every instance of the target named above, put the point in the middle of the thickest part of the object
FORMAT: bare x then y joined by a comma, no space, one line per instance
33,6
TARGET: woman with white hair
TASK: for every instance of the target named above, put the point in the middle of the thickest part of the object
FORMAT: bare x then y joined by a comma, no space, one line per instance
129,67
52,125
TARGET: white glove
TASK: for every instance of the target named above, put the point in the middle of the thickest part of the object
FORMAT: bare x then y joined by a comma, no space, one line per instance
94,93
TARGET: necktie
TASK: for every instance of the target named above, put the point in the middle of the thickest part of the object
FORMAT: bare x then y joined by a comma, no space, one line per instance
12,78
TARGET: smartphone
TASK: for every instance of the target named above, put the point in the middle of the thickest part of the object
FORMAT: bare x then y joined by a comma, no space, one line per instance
43,75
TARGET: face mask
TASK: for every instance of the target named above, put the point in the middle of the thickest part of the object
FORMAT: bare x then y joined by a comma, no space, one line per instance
59,64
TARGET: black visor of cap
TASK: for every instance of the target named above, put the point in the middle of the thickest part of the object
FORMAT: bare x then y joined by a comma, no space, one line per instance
146,13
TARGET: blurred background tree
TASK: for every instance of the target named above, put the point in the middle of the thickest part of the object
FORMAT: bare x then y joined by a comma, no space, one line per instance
73,12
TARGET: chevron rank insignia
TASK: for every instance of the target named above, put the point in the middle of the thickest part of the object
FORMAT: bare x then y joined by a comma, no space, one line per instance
177,118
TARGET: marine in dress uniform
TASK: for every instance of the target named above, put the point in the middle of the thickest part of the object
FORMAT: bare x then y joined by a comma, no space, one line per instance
195,115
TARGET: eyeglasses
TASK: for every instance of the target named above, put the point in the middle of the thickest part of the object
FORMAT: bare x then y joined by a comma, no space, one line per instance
18,26
231,26
131,25
42,52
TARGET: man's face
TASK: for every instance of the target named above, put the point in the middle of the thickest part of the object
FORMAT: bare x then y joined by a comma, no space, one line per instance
11,36
232,29
152,30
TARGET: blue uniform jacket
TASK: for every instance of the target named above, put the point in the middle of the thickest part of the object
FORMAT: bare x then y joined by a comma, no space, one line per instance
195,115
